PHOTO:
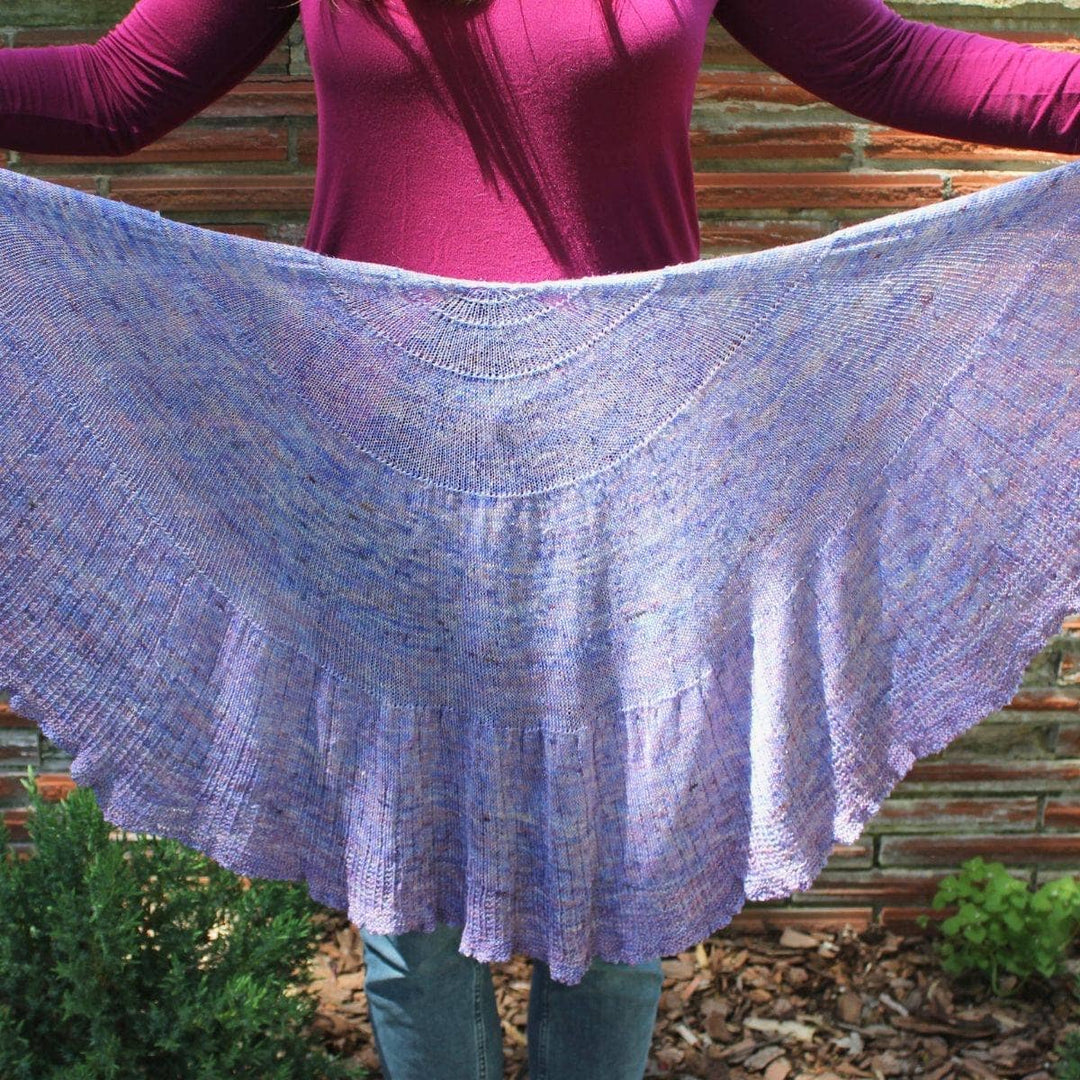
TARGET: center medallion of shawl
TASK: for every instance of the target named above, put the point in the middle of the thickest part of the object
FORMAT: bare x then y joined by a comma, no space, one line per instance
532,387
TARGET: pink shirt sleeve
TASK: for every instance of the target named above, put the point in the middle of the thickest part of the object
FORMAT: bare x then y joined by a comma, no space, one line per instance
163,63
168,59
868,60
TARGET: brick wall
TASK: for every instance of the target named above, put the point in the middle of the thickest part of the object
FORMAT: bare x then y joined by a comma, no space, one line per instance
774,165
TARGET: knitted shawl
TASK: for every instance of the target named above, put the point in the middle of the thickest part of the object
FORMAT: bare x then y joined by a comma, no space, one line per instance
575,613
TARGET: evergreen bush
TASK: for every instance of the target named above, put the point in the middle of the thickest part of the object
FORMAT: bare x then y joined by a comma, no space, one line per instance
145,960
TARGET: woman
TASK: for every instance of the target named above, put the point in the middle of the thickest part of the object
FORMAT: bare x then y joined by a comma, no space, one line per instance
518,142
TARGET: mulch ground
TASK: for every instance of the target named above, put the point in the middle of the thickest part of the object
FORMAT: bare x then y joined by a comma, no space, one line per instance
777,1007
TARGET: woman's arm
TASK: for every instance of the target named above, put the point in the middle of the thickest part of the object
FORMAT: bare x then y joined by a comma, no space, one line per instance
165,61
863,57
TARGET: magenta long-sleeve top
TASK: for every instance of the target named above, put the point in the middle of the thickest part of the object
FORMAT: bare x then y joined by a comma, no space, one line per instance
521,140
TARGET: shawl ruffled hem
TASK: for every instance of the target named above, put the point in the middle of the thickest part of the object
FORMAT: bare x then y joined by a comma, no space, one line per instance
315,799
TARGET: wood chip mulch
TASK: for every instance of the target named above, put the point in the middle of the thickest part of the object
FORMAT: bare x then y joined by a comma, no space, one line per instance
776,1006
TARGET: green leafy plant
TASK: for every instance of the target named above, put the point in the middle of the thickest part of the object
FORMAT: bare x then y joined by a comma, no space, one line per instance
1002,926
1068,1067
144,960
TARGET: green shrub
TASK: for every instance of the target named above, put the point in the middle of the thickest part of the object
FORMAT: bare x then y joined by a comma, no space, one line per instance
145,960
1002,926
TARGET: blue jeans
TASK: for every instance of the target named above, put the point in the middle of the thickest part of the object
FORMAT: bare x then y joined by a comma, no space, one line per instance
433,1014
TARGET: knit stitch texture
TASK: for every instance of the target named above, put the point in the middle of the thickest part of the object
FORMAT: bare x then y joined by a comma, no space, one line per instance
575,613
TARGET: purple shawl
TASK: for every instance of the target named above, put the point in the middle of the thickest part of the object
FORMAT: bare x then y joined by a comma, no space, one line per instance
575,613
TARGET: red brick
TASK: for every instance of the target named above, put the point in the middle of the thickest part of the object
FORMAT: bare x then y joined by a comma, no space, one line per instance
851,856
192,143
1017,775
954,850
825,141
758,87
257,232
174,194
55,35
9,718
1069,669
890,144
1062,813
276,61
759,919
1011,736
1036,699
266,97
727,237
16,754
904,920
872,887
968,182
15,820
54,786
1008,814
816,190
11,789
71,180
1071,624
1068,741
307,144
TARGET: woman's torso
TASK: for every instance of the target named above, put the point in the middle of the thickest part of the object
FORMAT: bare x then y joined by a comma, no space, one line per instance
505,140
